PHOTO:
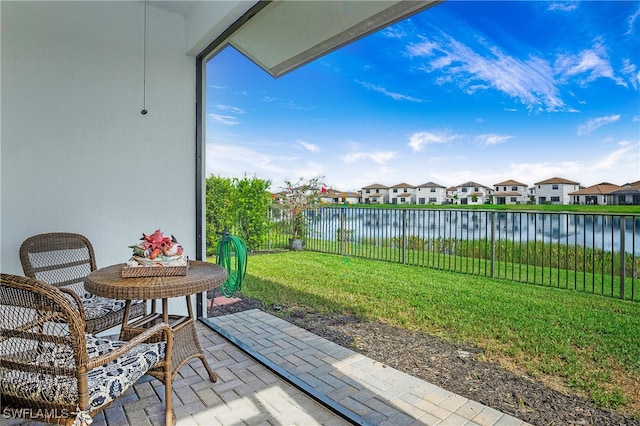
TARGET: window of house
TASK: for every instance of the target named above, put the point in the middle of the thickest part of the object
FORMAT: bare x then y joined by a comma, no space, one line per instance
514,188
464,189
432,200
421,200
402,199
368,191
555,199
514,199
395,190
476,189
433,190
554,187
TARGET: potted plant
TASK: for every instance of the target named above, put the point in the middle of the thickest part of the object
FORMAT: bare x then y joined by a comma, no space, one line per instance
297,198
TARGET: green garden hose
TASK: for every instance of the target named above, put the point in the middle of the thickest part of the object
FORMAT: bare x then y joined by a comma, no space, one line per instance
231,247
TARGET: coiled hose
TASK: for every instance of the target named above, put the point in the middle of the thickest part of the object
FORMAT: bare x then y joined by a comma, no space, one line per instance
231,254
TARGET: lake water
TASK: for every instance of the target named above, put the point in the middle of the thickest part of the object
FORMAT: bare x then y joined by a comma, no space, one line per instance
608,232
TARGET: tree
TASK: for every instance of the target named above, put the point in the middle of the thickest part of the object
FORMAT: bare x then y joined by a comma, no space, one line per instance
219,209
297,198
239,205
251,203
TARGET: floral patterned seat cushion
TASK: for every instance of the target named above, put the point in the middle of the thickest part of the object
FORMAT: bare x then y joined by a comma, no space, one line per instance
96,306
105,383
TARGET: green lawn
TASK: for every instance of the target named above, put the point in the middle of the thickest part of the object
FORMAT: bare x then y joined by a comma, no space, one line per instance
588,343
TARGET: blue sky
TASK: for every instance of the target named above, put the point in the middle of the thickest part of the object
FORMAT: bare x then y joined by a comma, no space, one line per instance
465,91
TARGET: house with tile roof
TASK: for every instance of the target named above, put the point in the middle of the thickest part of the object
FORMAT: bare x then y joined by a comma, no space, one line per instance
510,192
629,194
451,192
402,193
375,194
471,193
334,196
430,193
555,190
599,194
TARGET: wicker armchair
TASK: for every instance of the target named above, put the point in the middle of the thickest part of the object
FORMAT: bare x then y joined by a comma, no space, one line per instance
52,371
64,260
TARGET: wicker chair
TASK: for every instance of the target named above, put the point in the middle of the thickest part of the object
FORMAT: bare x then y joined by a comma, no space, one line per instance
64,260
52,371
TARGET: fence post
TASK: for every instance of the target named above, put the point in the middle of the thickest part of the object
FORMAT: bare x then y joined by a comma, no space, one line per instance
622,255
404,236
493,244
342,232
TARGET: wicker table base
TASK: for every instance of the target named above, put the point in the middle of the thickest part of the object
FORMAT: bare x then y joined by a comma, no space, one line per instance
186,345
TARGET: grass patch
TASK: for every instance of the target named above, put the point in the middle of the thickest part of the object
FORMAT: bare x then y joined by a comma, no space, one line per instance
586,342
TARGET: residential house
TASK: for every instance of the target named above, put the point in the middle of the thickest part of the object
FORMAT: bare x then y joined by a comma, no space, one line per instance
402,193
340,197
599,194
375,194
349,197
555,190
510,192
451,194
430,193
629,194
471,193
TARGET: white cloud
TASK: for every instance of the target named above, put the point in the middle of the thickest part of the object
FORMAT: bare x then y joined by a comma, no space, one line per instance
593,124
309,146
394,31
230,108
631,21
393,95
225,120
492,139
616,158
631,72
587,65
234,160
419,139
486,67
378,157
563,6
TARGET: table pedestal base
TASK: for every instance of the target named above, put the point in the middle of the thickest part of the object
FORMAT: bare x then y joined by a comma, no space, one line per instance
186,345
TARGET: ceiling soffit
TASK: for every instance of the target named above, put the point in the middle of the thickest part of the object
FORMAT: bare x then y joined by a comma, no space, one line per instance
285,35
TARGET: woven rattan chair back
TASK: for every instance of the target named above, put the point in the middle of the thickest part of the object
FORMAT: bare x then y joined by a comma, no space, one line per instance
47,361
64,260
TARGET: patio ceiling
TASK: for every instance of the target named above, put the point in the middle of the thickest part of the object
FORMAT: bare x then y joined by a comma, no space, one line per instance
282,35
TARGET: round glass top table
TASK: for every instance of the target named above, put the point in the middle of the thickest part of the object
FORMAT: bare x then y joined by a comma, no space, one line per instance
200,277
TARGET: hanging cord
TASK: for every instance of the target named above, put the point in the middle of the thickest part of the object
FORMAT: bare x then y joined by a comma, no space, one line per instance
230,247
144,66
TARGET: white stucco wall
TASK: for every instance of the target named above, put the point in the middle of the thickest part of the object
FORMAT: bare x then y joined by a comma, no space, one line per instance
76,154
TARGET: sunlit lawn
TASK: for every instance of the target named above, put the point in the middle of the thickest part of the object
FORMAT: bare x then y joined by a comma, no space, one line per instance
589,344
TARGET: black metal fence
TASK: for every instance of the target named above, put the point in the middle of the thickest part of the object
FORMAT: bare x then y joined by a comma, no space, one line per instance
596,253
